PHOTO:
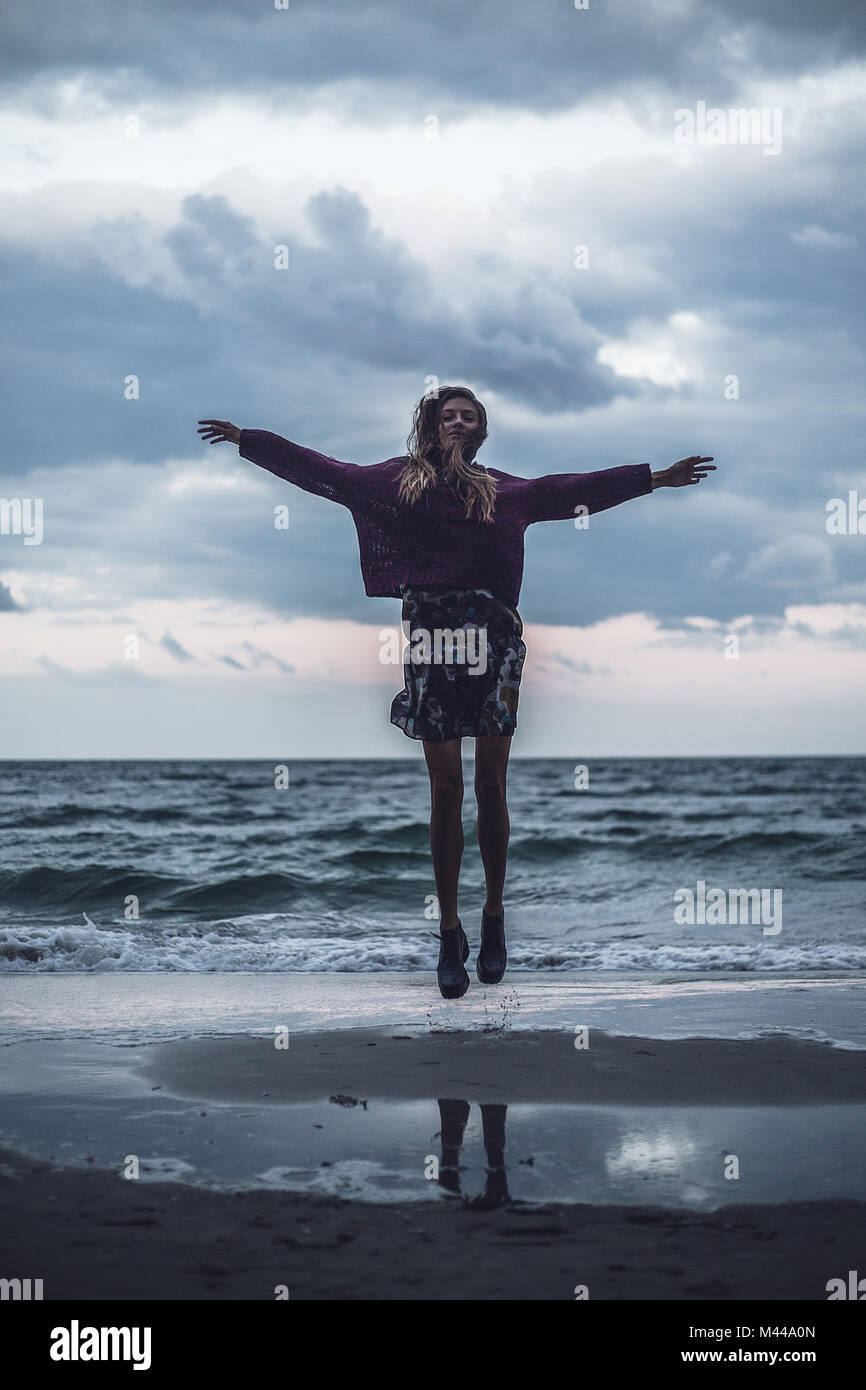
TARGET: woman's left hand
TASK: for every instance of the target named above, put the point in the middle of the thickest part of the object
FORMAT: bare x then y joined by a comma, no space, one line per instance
684,472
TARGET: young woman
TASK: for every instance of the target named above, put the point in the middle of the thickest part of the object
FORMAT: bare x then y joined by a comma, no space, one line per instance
445,534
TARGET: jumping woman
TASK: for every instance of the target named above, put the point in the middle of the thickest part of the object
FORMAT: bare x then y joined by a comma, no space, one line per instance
445,534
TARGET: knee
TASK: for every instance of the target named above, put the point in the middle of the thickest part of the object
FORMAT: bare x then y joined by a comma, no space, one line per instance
490,792
446,793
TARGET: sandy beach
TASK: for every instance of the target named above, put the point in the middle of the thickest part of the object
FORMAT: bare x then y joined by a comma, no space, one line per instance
306,1164
92,1236
514,1066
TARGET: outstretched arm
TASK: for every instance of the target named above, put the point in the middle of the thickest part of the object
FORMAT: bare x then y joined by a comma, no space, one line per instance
558,495
317,473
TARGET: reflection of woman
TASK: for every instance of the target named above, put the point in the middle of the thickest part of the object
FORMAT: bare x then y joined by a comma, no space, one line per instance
445,534
453,1115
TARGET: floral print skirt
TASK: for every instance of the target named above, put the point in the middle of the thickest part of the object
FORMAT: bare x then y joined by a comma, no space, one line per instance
462,666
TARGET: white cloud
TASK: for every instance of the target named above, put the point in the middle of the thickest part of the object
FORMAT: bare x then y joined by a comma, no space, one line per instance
465,263
666,357
793,561
817,236
611,673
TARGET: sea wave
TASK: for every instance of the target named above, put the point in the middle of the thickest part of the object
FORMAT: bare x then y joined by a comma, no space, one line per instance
254,945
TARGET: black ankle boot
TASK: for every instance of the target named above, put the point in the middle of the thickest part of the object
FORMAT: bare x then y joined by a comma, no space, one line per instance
450,972
492,955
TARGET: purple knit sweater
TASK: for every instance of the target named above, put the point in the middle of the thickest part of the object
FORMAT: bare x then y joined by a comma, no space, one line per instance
432,542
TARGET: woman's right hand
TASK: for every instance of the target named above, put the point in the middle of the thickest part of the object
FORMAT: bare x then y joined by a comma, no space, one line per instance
216,431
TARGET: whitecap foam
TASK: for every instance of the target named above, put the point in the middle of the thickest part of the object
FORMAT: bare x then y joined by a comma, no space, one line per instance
251,945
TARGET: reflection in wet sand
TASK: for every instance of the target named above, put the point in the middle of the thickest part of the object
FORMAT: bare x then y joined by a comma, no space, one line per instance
454,1115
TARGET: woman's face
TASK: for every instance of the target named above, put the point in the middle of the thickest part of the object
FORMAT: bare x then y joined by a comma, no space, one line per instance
458,416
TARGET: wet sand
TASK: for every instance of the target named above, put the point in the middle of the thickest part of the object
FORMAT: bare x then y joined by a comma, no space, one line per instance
93,1236
514,1066
90,1234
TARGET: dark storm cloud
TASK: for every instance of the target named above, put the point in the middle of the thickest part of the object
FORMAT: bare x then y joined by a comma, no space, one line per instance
351,295
297,351
80,331
546,54
173,647
257,657
354,298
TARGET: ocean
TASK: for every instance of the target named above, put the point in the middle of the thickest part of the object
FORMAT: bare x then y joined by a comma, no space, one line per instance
211,867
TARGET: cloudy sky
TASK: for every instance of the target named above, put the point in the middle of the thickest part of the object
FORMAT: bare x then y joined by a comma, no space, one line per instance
507,196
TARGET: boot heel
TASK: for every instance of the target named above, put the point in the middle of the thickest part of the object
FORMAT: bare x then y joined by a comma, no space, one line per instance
492,955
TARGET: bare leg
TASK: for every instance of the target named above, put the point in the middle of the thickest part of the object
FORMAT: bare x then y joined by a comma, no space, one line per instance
491,765
445,767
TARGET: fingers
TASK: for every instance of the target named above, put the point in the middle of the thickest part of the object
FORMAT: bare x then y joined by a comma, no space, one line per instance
688,471
214,431
699,466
